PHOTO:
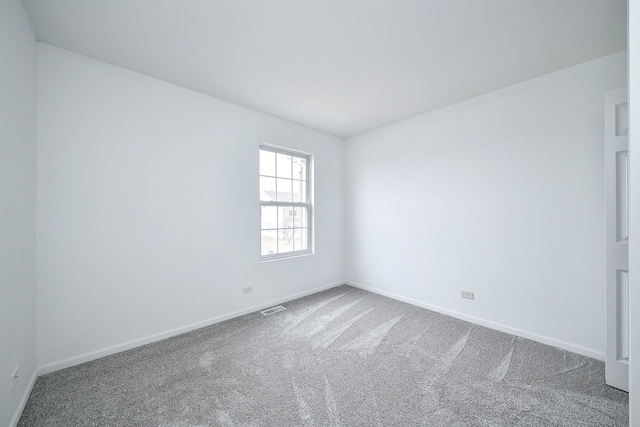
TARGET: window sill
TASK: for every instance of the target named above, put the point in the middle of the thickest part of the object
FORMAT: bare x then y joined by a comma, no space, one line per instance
283,257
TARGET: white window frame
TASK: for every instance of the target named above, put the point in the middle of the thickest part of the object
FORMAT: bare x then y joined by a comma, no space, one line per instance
308,204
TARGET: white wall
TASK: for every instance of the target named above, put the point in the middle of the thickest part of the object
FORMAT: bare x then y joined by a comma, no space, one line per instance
501,195
148,214
634,241
18,206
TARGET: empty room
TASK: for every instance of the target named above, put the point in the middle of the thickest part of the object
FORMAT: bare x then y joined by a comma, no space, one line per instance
319,213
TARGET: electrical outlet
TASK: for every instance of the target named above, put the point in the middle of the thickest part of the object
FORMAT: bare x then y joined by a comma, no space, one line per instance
247,290
14,377
467,295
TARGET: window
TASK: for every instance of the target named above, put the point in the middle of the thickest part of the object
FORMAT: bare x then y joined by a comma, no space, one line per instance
285,205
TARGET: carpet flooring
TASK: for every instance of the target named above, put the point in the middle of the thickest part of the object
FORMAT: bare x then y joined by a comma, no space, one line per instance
342,357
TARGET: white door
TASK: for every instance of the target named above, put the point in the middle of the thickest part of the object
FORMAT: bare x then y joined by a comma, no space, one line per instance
616,169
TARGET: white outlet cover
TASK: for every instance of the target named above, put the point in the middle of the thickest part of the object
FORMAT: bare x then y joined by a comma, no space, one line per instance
468,295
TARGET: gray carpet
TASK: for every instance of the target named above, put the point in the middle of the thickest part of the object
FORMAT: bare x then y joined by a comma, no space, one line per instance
343,357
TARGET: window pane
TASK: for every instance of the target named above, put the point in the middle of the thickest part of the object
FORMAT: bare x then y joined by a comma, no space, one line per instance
284,166
285,244
284,187
299,191
295,241
280,216
268,217
267,189
269,242
301,217
299,168
287,216
267,163
304,193
300,238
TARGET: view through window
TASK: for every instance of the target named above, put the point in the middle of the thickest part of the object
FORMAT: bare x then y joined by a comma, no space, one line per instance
285,208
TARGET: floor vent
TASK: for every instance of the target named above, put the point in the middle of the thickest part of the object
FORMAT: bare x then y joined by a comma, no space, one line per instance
272,310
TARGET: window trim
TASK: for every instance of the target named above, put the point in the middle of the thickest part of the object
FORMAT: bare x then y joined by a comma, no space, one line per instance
309,204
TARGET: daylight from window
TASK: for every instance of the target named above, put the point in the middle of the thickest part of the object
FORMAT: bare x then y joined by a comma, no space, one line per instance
285,208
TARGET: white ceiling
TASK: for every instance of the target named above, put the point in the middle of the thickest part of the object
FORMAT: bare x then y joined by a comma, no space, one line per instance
340,66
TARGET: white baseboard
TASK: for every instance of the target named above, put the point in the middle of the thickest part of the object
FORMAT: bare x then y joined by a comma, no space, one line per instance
488,323
23,401
93,355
